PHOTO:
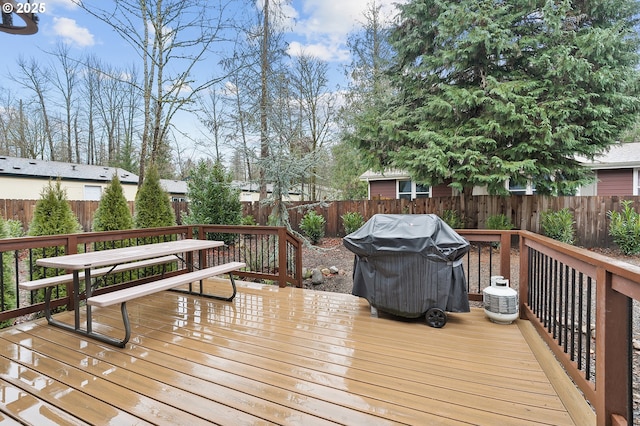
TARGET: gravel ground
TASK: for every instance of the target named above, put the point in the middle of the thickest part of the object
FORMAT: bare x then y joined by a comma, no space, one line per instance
331,253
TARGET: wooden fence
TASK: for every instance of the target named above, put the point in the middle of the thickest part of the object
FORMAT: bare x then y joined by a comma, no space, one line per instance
590,213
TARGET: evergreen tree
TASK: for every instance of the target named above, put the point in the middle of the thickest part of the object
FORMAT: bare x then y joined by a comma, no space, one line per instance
113,211
492,90
369,87
153,206
212,198
53,214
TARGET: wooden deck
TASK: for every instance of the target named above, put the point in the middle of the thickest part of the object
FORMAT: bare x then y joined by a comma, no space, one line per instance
282,356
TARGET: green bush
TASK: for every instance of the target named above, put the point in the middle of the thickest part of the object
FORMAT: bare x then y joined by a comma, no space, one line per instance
248,220
498,221
8,286
352,221
213,200
13,228
453,219
312,225
153,206
52,216
113,212
559,225
624,227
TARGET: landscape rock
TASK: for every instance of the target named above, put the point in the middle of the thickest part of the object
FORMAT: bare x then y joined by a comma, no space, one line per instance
317,277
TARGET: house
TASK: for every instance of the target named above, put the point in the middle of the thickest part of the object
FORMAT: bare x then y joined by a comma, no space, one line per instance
396,184
24,179
616,171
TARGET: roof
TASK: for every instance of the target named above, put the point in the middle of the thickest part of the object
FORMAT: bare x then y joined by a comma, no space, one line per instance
14,166
25,167
385,175
619,156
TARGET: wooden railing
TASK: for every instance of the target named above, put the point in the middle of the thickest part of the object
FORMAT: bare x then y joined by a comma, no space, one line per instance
272,254
580,302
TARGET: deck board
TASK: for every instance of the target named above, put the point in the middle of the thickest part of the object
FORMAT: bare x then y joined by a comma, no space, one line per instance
281,356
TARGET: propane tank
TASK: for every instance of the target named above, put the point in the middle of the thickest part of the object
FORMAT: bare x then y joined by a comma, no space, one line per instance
500,301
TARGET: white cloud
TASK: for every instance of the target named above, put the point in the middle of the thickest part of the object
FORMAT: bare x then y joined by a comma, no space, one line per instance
323,51
72,33
336,17
324,25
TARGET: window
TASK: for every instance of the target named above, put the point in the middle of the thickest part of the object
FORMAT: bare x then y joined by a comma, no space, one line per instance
92,192
527,189
410,190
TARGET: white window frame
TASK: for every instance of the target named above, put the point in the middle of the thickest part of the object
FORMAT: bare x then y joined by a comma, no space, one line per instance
528,189
636,181
414,190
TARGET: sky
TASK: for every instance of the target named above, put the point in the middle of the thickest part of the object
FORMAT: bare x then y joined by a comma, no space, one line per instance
318,27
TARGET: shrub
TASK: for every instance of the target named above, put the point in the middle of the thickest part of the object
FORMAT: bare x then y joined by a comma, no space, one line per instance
213,199
453,219
8,292
499,221
248,220
52,216
352,221
13,228
624,227
113,211
153,206
312,224
559,225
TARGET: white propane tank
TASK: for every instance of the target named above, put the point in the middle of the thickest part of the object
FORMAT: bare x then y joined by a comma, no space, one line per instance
500,301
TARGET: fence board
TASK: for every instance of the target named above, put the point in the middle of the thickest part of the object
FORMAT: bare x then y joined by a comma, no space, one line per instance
590,212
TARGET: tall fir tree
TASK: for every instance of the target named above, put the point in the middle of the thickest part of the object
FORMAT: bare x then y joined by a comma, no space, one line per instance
113,211
153,206
487,91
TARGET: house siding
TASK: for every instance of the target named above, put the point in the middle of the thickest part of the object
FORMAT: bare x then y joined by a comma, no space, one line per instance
382,189
615,182
442,190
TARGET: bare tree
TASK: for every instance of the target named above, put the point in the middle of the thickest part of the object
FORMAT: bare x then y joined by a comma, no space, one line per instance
33,77
171,37
212,117
64,79
317,107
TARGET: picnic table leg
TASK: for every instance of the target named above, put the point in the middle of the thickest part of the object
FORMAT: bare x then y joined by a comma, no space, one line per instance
87,289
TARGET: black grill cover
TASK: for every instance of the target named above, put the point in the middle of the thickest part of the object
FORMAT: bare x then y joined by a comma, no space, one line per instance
406,264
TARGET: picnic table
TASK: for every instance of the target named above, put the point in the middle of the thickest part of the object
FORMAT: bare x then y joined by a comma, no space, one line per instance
105,262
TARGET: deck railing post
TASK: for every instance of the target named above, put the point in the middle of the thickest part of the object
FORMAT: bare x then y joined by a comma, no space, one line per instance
523,277
282,257
612,351
505,254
